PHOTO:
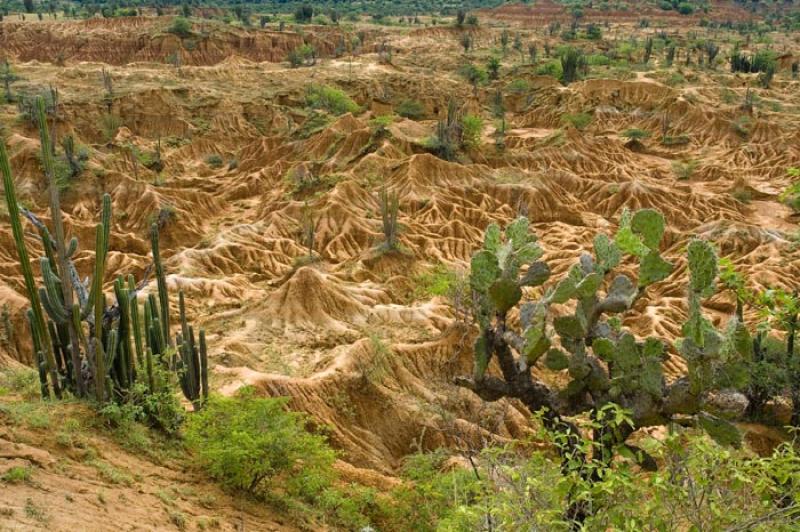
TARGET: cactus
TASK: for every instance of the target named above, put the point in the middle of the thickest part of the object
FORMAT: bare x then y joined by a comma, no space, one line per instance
38,327
389,210
193,366
79,341
604,363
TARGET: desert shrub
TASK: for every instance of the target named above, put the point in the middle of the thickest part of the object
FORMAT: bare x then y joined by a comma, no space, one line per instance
471,129
248,443
518,86
331,99
684,169
741,126
594,32
303,13
635,134
551,68
302,55
109,125
572,62
791,195
685,8
214,160
411,109
16,475
181,27
577,120
474,75
598,60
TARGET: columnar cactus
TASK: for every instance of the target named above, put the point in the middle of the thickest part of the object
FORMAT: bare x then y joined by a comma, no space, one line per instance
79,341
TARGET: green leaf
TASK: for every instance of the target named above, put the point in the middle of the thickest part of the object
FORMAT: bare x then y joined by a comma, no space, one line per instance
721,431
649,223
653,269
484,270
538,272
556,360
492,239
504,294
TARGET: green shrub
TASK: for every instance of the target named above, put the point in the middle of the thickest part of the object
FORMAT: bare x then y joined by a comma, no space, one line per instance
471,129
331,99
518,86
635,134
684,169
411,109
552,68
578,120
181,27
248,442
791,196
214,160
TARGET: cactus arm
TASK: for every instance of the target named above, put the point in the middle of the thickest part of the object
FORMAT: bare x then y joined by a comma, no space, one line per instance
27,273
163,295
204,364
99,371
136,327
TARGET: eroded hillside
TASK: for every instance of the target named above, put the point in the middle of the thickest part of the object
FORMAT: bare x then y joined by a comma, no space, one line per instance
352,336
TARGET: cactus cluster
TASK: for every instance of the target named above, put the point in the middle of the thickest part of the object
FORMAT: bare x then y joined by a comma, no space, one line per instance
80,342
573,325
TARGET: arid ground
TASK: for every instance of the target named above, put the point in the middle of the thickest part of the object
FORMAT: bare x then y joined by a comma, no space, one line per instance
356,336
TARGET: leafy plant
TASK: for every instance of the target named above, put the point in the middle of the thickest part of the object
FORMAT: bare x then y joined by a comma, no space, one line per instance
249,443
331,99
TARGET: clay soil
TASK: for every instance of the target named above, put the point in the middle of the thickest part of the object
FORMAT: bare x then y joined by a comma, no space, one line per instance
352,337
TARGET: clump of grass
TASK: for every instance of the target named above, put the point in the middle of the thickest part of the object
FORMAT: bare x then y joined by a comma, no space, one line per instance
17,475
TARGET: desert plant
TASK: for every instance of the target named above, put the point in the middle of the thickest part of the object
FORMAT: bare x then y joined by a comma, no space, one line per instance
577,120
572,61
475,75
648,50
81,342
471,130
247,442
411,109
447,139
493,68
181,27
466,42
635,134
303,14
214,160
606,364
390,208
8,76
333,100
684,169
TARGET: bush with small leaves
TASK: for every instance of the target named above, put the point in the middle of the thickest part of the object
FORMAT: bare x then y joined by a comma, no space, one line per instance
249,442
